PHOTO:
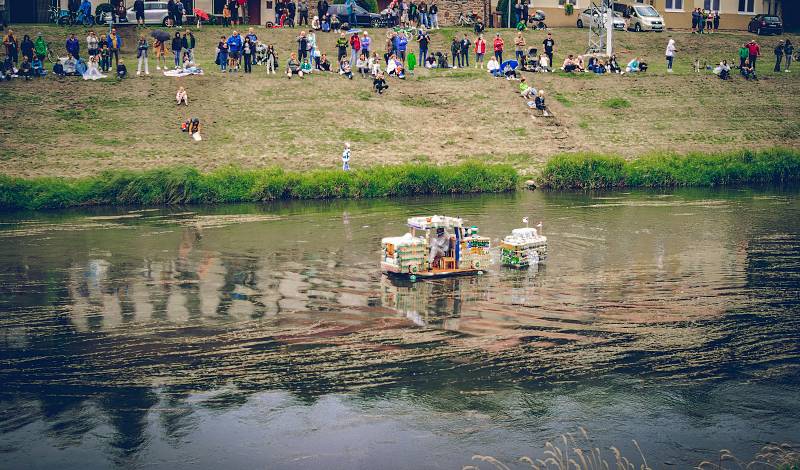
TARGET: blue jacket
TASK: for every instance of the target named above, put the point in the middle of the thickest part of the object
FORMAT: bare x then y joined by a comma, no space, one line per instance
110,43
402,42
235,43
86,8
73,46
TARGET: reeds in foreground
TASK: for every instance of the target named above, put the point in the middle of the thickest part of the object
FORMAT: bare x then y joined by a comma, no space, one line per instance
571,452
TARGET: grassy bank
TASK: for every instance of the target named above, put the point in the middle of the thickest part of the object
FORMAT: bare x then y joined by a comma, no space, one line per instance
76,128
186,185
594,171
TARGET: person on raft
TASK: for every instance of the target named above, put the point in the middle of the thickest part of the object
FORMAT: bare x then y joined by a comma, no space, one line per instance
439,245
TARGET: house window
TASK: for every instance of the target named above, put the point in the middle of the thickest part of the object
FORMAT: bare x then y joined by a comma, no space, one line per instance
674,5
711,5
747,6
218,6
571,2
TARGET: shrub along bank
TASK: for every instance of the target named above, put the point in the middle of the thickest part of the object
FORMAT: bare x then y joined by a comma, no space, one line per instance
593,171
185,185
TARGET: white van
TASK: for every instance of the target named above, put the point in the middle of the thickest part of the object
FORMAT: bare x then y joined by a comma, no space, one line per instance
642,17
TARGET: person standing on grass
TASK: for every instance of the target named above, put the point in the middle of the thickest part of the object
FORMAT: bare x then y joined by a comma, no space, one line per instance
312,47
366,42
189,43
525,7
222,54
788,50
249,54
341,46
302,10
226,16
423,39
355,49
402,44
302,46
517,13
322,9
170,13
73,46
549,47
455,53
138,9
754,51
346,157
114,44
744,53
716,21
433,15
234,51
179,11
778,56
519,46
670,53
141,55
26,46
423,16
177,47
480,50
12,46
498,48
465,46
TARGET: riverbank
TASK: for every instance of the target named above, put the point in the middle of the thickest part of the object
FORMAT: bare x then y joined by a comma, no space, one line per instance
597,171
75,128
186,185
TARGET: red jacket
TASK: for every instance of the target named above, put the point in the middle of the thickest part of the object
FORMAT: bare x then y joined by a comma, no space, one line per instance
480,46
498,44
754,49
355,43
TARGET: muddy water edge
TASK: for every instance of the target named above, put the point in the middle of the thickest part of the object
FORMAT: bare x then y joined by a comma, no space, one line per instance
264,336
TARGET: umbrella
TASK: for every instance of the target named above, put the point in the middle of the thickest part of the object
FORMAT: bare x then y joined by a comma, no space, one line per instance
354,30
201,14
509,63
161,36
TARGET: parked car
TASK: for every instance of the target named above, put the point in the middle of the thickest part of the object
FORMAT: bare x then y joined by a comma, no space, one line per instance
765,24
643,18
154,13
363,17
586,18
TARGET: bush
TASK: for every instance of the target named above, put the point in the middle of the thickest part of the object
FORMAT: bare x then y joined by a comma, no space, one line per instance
185,185
591,171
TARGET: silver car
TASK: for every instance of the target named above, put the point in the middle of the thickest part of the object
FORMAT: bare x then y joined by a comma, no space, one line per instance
154,13
586,18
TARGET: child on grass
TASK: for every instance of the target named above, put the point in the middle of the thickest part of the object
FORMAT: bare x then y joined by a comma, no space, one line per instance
346,157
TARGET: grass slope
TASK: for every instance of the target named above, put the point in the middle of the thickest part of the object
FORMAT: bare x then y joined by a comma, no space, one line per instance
68,127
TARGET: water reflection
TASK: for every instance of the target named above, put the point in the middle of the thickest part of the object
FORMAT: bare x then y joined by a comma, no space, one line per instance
130,328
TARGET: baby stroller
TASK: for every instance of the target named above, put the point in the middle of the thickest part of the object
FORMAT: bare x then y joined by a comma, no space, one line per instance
531,62
538,20
261,53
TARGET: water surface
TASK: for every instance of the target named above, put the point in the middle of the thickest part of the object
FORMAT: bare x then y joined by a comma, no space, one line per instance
264,336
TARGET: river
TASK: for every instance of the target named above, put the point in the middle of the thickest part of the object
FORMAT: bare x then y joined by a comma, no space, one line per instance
264,336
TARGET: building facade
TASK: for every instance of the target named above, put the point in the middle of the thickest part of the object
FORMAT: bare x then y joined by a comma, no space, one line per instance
734,14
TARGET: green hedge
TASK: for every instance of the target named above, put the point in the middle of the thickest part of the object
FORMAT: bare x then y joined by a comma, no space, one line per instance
184,185
593,171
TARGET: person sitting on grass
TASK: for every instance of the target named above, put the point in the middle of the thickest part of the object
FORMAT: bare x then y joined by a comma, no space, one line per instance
344,68
430,62
569,65
324,63
362,66
544,64
581,65
379,84
723,70
633,66
374,65
122,71
93,70
527,92
7,69
540,104
315,25
38,67
25,68
493,67
305,67
613,66
293,67
182,96
747,71
395,68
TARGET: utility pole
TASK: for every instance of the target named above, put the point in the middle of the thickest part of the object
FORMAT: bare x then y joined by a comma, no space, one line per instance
609,27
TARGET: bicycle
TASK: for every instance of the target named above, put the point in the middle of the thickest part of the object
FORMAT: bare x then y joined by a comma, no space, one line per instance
466,20
86,20
59,16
